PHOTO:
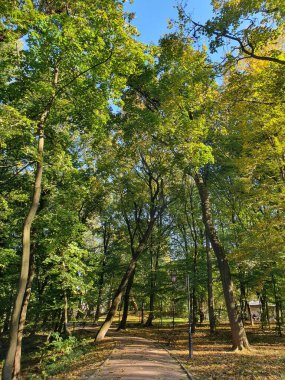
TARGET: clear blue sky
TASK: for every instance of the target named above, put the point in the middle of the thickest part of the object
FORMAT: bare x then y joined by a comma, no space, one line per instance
152,15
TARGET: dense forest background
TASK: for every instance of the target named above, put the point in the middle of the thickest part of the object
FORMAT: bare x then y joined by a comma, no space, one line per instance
140,177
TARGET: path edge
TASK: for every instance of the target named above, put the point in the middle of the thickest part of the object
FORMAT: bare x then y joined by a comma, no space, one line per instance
190,377
105,361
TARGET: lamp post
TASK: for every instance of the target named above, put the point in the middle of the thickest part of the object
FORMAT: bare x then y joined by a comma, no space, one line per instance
190,343
173,280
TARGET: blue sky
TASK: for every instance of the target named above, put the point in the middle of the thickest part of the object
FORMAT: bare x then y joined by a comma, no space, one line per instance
152,15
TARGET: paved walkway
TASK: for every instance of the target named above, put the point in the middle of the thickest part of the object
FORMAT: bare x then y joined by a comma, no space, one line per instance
137,358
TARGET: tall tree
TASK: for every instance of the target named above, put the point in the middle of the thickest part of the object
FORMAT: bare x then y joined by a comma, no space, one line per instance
56,66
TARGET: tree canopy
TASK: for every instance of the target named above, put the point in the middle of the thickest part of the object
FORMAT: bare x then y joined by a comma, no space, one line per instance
122,164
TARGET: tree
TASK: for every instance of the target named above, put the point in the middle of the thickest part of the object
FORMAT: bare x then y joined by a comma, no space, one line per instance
49,82
255,29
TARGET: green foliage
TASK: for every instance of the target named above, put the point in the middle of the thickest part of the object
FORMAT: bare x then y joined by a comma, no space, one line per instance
60,353
102,168
258,25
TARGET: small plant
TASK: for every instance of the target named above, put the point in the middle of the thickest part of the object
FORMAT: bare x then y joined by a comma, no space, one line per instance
60,345
59,353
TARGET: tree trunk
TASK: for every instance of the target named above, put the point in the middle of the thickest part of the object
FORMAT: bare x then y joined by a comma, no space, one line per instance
249,314
211,311
17,363
278,306
242,300
135,305
201,311
66,331
60,325
153,273
106,241
239,338
152,288
56,317
116,301
123,322
26,244
14,328
100,292
118,295
142,314
264,309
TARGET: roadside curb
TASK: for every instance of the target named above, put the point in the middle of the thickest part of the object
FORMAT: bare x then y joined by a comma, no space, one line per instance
102,364
190,377
105,361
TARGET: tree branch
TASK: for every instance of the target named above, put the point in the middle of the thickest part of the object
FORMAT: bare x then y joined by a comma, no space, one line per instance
243,47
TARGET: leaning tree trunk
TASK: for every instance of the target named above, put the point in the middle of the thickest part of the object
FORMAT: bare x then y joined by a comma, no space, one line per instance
135,305
118,295
123,322
116,301
17,365
14,328
26,245
239,338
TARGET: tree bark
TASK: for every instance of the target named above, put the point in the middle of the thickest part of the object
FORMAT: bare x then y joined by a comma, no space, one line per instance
135,305
153,273
66,331
242,300
14,328
264,309
123,322
118,295
142,314
239,338
116,301
100,292
106,241
278,306
18,354
26,245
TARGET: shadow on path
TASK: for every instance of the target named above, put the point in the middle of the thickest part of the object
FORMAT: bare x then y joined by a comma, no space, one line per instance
137,358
